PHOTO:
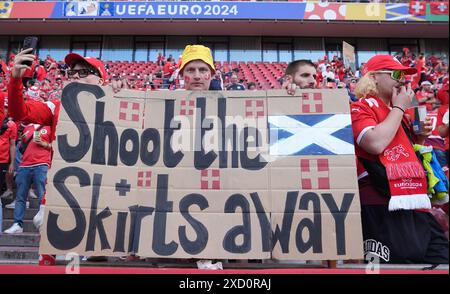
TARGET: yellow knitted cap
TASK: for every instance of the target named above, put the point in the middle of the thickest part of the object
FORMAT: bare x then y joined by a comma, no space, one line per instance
197,52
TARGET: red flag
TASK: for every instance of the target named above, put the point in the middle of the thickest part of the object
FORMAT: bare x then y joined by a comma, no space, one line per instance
417,8
439,8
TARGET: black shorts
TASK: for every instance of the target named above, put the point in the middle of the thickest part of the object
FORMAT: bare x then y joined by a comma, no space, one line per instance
403,236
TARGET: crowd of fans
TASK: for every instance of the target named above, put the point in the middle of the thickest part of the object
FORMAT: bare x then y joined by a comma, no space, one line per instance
44,81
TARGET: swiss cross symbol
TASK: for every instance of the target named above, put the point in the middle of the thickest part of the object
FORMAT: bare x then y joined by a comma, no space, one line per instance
210,179
129,111
254,108
417,7
312,103
315,174
442,7
144,179
187,107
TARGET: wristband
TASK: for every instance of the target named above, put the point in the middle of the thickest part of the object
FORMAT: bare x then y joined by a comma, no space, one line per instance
398,108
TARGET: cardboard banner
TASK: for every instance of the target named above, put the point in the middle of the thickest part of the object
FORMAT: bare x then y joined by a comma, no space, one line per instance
180,174
349,55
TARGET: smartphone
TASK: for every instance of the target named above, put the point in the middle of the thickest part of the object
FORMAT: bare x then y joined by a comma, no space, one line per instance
30,42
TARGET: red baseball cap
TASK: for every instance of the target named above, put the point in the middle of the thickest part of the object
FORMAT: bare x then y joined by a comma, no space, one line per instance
73,58
380,62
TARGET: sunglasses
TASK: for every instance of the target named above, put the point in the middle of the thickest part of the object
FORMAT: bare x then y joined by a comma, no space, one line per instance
396,75
82,73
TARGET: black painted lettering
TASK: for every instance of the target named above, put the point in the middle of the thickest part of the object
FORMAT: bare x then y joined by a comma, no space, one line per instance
202,160
171,159
60,239
160,224
96,220
102,131
199,244
150,158
229,241
69,100
314,227
339,216
221,114
137,214
119,243
129,158
270,238
256,163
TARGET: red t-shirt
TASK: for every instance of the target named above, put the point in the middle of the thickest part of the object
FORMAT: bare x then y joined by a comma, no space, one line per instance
10,133
168,70
35,154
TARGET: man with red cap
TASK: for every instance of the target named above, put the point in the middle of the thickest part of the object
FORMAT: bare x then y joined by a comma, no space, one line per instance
86,70
397,228
45,115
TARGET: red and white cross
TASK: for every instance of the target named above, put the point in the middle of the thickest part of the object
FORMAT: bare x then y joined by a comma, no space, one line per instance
187,107
210,179
312,103
417,7
129,111
315,174
442,7
144,179
254,108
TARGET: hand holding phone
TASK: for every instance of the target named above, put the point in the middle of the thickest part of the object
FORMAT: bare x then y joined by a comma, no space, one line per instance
30,42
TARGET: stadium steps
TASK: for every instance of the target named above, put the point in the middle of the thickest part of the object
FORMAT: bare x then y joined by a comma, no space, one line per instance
20,248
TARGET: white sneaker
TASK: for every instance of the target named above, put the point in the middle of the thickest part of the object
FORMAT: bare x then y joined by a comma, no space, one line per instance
32,195
14,229
12,205
6,194
38,219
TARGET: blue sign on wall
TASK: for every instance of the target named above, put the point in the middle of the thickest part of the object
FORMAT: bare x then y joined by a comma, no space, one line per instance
182,10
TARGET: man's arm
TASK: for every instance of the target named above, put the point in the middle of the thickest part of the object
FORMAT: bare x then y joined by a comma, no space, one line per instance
26,111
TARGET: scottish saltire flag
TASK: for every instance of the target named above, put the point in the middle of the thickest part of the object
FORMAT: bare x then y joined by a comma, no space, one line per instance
324,134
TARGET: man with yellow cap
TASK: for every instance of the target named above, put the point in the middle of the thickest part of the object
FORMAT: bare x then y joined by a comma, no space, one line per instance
197,67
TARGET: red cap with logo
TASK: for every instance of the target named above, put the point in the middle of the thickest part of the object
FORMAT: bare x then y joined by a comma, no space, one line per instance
380,62
72,58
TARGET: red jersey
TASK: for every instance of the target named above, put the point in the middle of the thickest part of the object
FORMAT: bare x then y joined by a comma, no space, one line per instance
5,138
363,120
168,69
35,154
44,113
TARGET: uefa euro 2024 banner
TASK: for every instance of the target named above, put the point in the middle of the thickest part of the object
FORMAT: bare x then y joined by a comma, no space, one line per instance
412,11
188,10
180,174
